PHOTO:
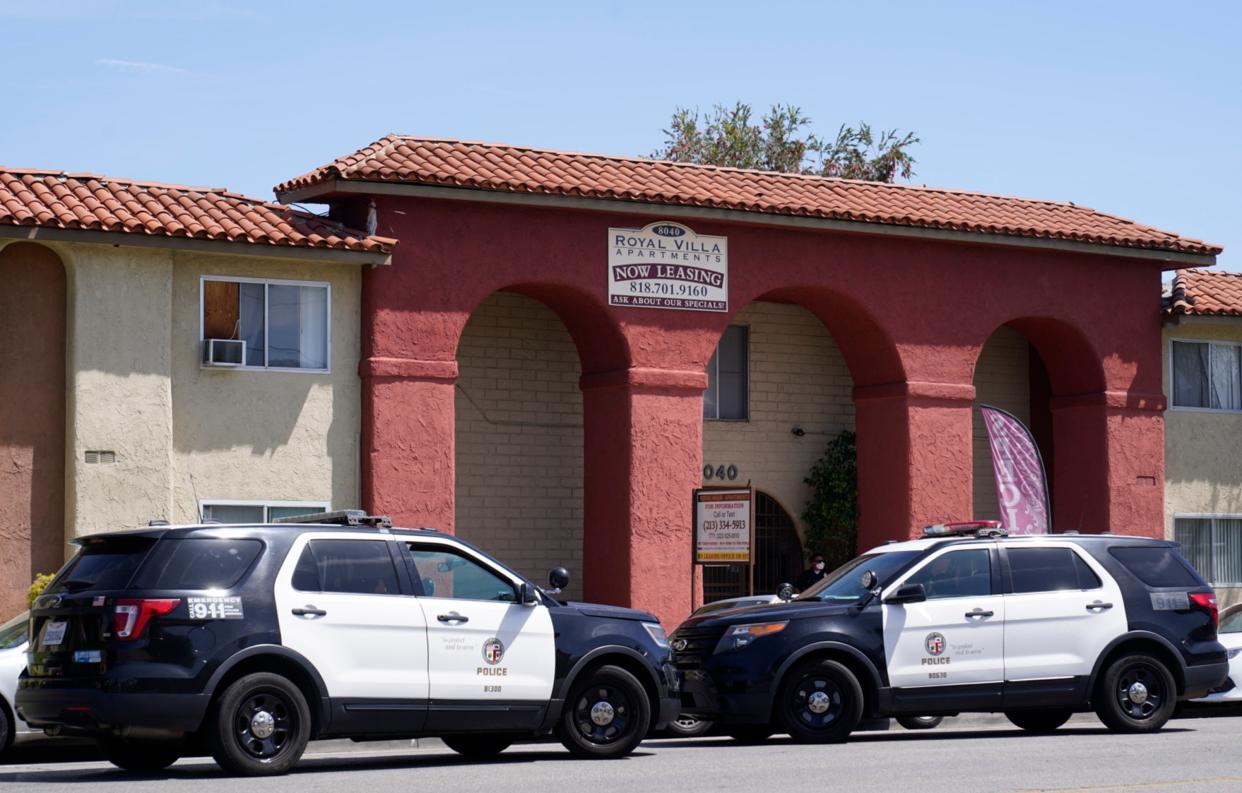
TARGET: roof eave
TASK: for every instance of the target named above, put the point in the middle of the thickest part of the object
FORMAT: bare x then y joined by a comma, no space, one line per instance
115,238
335,188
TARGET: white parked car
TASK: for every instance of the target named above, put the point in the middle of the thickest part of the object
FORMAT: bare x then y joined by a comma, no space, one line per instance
12,662
1230,635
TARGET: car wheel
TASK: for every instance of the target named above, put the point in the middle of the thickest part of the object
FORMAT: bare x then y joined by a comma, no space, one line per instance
1038,720
139,756
6,727
920,722
1137,693
260,726
820,702
478,747
606,715
688,727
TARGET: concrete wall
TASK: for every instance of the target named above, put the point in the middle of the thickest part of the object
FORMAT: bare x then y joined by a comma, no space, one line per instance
180,433
798,378
519,438
1003,380
1203,464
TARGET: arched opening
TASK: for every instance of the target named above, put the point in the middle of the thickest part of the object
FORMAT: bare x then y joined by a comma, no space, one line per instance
519,437
778,556
32,417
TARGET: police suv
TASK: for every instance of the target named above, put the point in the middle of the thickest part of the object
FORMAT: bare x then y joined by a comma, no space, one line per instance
248,641
966,619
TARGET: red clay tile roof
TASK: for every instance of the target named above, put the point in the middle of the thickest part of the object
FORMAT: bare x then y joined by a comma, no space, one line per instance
1205,293
52,199
514,169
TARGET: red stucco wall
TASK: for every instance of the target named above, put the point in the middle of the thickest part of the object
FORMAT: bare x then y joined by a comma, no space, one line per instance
32,419
909,315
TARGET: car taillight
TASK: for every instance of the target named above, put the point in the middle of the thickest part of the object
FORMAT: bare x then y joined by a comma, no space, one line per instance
133,614
1206,601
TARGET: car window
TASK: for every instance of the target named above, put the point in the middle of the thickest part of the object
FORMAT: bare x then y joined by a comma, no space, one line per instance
965,573
1232,622
445,573
13,632
197,563
361,567
105,563
1048,570
1156,565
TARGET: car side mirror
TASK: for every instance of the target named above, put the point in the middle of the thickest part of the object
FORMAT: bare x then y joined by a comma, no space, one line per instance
908,593
558,579
527,595
785,591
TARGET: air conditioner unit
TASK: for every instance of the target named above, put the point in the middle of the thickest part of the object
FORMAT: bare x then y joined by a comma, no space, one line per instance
224,352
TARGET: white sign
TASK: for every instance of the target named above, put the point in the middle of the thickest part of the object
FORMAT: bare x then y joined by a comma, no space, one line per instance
722,526
667,265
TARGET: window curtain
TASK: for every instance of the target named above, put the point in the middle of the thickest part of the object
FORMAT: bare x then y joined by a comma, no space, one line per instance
297,323
1226,388
1227,551
250,322
1190,375
314,327
1195,536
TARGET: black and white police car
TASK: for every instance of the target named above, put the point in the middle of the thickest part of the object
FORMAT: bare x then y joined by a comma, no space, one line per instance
249,641
965,619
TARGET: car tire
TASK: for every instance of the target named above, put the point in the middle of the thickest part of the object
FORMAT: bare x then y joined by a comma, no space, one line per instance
688,727
260,726
606,715
1039,720
920,722
7,728
1136,693
820,701
139,756
479,747
750,734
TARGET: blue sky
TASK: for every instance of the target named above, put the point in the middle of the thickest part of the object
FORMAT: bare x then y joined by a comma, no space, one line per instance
1132,108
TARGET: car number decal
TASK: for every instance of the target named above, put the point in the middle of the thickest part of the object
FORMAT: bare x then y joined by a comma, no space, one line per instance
1170,601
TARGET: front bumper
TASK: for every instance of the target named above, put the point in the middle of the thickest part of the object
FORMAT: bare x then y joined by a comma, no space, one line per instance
89,711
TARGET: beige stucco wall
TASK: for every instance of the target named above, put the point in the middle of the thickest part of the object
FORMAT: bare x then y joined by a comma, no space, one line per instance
181,433
519,438
1202,448
1003,380
798,378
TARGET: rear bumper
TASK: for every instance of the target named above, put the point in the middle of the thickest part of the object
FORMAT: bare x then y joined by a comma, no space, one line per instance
1204,678
84,711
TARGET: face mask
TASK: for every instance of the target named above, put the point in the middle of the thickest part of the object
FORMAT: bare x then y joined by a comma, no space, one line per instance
819,567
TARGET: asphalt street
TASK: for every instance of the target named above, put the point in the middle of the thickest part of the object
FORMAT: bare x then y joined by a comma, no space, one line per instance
1199,755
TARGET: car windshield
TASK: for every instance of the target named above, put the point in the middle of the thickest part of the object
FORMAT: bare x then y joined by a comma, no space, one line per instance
13,632
843,585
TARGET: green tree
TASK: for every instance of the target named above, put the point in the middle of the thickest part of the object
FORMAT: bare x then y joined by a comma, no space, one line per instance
831,514
782,141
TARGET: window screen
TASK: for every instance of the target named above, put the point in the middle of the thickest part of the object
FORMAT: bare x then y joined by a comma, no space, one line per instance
197,564
447,574
361,567
956,574
1213,546
1156,566
1207,375
1048,570
727,394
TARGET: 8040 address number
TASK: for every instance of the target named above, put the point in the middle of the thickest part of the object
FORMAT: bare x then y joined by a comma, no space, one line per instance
720,472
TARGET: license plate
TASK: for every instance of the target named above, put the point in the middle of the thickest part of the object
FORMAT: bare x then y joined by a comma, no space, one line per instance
54,633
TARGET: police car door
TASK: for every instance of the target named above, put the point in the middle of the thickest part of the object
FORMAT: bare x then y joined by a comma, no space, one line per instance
483,646
339,604
954,637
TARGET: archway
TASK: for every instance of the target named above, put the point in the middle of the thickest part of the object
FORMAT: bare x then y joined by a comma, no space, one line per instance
778,556
32,417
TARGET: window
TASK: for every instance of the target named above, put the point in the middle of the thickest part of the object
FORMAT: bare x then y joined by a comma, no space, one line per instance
360,567
1207,375
956,574
1230,623
102,564
1155,565
284,324
728,376
197,564
257,511
1049,570
1213,546
444,573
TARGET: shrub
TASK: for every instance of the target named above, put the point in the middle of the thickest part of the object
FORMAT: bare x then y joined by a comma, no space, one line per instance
831,515
40,583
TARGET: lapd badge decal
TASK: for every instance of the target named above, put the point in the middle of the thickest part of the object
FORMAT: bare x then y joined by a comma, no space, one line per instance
493,651
934,643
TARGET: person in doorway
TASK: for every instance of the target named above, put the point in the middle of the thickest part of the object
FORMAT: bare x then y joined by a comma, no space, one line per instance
812,575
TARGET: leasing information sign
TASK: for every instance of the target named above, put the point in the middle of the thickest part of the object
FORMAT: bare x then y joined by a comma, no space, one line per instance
667,265
722,526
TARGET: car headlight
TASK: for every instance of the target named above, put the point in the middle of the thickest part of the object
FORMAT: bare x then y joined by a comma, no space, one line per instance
1234,653
741,635
657,633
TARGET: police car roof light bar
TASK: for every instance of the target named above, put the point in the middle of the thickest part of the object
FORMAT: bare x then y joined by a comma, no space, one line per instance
344,517
962,528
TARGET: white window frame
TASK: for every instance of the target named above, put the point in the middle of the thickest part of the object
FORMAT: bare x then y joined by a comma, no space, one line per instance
203,279
310,506
1212,516
715,355
1173,374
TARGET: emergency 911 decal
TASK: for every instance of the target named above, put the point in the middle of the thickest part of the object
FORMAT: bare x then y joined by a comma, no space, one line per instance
215,608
